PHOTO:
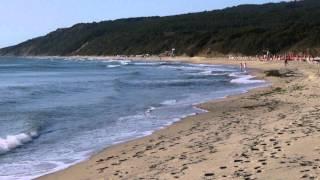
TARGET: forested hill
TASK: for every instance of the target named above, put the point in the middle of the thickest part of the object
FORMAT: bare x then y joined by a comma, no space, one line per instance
245,29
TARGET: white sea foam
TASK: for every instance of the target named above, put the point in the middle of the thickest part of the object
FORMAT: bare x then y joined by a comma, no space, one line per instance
207,72
124,62
244,79
13,141
113,66
210,73
148,63
149,110
147,133
199,109
169,102
121,62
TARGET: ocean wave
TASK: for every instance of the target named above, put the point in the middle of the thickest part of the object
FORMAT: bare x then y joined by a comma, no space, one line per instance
13,141
169,102
113,66
9,65
166,83
206,72
121,62
157,63
147,63
211,73
203,70
241,78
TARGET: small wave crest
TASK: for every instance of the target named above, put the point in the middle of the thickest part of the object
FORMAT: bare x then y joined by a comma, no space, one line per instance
147,63
124,62
116,63
200,68
13,141
169,102
150,109
167,83
113,66
210,73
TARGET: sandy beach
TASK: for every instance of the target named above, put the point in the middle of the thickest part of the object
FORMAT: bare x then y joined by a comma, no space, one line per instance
267,133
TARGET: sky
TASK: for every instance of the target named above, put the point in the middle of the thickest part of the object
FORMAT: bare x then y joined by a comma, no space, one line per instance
21,20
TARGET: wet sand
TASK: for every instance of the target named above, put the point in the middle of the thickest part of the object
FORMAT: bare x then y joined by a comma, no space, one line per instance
267,133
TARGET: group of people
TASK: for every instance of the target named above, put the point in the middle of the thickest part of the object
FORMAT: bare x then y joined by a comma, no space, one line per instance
243,67
287,57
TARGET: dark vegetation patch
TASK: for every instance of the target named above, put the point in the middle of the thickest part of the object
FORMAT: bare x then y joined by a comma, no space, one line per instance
281,73
245,29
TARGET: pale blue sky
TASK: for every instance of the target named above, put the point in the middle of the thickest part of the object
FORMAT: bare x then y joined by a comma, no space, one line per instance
24,19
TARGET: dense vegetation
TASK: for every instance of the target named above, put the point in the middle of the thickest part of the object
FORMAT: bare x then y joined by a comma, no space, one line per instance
245,29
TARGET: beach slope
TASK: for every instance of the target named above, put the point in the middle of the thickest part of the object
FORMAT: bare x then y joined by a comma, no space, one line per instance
268,133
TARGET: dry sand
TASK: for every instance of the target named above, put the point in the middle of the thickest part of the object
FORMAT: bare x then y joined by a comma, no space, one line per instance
268,133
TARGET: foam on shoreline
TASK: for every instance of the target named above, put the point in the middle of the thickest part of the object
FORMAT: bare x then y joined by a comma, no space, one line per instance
244,78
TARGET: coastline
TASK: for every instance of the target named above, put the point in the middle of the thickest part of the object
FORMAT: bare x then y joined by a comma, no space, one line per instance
188,148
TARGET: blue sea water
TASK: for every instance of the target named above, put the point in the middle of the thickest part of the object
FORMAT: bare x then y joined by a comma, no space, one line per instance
55,112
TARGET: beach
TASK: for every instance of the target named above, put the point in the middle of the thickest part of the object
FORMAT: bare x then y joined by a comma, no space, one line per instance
267,133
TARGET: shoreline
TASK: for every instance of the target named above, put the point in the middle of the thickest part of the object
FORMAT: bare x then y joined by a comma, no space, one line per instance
196,106
105,155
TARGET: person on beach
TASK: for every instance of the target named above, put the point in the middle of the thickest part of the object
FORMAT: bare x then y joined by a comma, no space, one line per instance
286,62
241,66
245,67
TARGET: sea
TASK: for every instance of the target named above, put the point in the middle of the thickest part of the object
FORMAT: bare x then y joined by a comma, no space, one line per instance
58,111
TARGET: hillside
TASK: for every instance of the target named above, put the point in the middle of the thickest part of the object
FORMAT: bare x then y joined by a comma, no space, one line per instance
245,29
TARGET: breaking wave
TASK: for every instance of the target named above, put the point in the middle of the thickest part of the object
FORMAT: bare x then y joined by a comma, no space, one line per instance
13,141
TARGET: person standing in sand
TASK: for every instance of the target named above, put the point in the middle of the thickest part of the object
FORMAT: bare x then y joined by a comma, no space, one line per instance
286,62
